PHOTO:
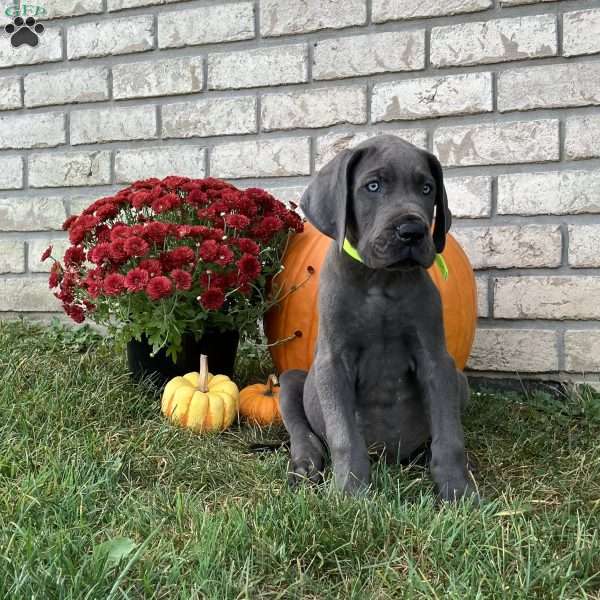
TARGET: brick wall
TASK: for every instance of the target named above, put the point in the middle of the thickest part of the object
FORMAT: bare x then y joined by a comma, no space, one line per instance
505,92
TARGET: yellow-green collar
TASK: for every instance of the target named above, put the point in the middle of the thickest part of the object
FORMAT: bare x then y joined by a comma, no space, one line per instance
439,259
351,250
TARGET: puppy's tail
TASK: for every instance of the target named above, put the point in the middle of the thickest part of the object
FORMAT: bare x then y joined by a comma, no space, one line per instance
291,397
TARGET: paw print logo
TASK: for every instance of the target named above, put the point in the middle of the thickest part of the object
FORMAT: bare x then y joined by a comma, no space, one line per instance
24,31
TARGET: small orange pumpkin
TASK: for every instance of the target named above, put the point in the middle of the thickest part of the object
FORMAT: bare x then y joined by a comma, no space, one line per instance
259,403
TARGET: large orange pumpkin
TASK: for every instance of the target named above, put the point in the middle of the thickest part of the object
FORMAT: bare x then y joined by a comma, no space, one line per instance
292,324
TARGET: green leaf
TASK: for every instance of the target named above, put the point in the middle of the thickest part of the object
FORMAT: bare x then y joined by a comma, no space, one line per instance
116,550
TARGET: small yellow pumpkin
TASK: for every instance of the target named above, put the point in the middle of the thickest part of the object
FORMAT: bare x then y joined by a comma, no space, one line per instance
259,403
200,401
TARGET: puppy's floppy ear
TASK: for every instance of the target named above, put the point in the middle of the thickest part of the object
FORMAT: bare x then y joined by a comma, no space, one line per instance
443,216
326,200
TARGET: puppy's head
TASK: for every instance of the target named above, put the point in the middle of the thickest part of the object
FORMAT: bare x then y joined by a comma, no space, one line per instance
387,198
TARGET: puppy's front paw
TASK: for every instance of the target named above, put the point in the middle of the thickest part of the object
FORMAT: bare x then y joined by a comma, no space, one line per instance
457,489
303,470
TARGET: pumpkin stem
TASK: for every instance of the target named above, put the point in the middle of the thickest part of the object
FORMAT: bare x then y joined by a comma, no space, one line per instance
271,382
203,377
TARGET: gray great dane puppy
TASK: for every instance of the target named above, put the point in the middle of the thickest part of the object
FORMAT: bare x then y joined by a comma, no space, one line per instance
381,376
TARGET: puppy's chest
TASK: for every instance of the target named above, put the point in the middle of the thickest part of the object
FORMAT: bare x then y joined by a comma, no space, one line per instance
387,344
386,315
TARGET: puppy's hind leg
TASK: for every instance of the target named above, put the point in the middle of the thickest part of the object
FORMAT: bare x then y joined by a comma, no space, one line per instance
307,452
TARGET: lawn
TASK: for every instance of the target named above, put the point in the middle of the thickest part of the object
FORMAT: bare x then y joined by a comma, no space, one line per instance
102,499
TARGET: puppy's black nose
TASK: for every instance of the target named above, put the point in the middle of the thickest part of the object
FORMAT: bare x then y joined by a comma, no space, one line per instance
411,233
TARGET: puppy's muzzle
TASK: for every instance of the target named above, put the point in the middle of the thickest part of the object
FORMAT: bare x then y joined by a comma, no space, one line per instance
411,233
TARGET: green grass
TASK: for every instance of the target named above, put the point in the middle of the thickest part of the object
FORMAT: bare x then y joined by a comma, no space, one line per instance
86,460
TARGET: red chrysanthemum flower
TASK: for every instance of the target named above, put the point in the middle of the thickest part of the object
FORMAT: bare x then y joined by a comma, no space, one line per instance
65,295
46,254
156,231
69,222
173,181
75,312
237,221
212,299
249,267
183,231
76,234
182,279
230,280
136,279
113,284
136,246
208,279
215,233
245,289
197,231
53,280
89,306
249,246
261,197
152,265
231,197
294,221
81,226
208,250
159,287
123,197
224,256
146,183
141,199
271,224
192,184
118,254
120,232
103,233
181,256
137,230
165,203
87,222
175,200
197,197
74,255
246,206
93,282
99,253
108,211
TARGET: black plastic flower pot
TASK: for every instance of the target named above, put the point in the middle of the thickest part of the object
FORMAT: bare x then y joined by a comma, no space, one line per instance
219,346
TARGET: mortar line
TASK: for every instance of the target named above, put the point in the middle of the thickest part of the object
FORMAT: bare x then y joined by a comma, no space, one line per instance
494,198
159,124
26,270
490,296
427,50
247,45
258,114
559,32
561,348
257,34
369,102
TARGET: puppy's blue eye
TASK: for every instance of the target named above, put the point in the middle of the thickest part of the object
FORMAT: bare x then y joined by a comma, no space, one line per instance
427,189
373,186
